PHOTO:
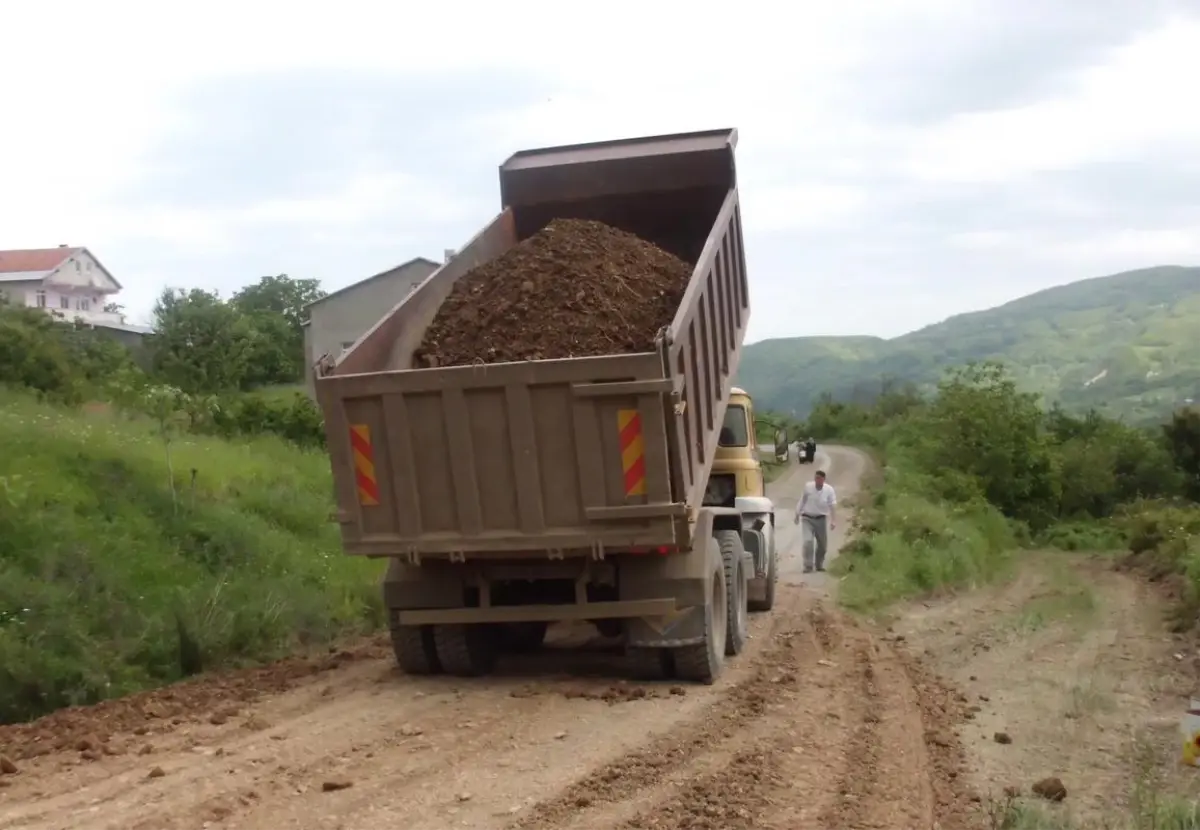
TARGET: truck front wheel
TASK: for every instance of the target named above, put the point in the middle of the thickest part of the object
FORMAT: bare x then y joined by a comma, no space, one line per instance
415,650
465,650
737,587
702,662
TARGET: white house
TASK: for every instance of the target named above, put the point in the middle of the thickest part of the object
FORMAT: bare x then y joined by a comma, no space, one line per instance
66,280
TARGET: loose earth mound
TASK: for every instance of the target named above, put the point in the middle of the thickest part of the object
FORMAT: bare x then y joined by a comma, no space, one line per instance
574,289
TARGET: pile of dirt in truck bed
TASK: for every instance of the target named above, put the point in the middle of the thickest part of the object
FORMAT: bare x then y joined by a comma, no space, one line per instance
574,289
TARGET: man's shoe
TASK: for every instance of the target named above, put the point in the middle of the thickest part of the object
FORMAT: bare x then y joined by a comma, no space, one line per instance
808,570
821,568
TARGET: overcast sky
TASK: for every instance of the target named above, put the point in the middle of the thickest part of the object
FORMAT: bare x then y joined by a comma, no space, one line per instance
896,167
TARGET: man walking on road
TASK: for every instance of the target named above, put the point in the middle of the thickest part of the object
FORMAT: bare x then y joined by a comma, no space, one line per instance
817,508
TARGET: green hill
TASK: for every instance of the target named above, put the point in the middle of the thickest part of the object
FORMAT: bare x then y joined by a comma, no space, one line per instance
1127,344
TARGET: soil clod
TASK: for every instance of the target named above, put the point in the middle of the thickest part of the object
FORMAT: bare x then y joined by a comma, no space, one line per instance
1051,789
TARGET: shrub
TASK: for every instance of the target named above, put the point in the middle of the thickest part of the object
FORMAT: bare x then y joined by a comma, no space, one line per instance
293,418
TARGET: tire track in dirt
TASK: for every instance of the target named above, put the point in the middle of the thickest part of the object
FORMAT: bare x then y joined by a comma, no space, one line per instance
760,777
584,801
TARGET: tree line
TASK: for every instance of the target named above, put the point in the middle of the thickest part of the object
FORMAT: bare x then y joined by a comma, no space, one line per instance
981,468
217,360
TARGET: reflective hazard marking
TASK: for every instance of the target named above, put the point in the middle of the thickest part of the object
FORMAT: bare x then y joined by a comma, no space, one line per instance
633,451
364,465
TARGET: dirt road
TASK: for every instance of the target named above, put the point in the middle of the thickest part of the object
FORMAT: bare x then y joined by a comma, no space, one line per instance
820,723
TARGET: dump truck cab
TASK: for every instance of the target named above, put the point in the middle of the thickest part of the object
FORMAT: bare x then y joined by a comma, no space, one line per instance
736,480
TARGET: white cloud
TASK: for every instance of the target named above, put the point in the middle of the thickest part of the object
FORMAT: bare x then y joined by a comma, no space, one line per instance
1130,248
1140,96
980,240
809,207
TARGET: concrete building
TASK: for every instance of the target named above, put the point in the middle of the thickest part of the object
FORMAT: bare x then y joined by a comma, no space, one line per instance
337,320
69,282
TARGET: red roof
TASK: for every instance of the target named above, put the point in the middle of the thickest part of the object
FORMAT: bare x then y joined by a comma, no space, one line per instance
34,259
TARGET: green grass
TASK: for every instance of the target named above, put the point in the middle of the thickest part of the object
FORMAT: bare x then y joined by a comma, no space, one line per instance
910,543
283,392
108,585
1165,543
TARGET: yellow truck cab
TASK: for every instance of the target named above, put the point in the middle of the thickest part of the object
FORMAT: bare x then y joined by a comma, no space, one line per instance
736,480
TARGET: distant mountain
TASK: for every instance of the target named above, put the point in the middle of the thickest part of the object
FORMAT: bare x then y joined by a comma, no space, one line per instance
1127,344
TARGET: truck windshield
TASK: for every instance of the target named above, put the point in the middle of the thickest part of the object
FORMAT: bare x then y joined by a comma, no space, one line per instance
733,431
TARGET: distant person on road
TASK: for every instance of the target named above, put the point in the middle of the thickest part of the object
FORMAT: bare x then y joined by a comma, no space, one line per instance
818,510
810,448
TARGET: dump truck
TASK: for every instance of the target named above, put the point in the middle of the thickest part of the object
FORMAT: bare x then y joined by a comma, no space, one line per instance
510,496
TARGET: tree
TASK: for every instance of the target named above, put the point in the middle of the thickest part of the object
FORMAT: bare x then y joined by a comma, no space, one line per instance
1183,441
985,428
201,344
280,295
277,307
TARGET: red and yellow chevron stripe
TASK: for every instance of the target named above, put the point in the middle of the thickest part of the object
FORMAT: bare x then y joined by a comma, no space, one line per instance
633,451
364,465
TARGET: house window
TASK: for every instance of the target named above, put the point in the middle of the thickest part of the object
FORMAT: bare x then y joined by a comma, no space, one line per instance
84,304
77,268
64,302
41,299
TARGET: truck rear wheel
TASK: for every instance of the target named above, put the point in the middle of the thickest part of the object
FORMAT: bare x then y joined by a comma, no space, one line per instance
415,650
702,662
465,650
737,588
768,598
647,663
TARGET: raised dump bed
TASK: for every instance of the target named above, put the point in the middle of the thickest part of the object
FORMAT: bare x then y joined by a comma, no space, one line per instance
571,488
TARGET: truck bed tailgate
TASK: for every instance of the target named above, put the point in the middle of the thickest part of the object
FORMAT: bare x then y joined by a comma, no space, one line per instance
560,457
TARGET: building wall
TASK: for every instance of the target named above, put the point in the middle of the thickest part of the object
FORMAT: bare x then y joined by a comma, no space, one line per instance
18,293
339,320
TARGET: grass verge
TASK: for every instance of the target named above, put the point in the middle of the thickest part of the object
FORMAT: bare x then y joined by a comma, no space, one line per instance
909,540
1164,543
109,583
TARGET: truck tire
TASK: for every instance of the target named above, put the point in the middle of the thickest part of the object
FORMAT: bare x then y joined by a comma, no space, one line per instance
702,662
415,650
768,600
523,637
647,663
465,650
737,587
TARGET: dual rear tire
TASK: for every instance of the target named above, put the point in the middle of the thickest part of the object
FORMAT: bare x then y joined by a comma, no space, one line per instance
726,621
461,650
